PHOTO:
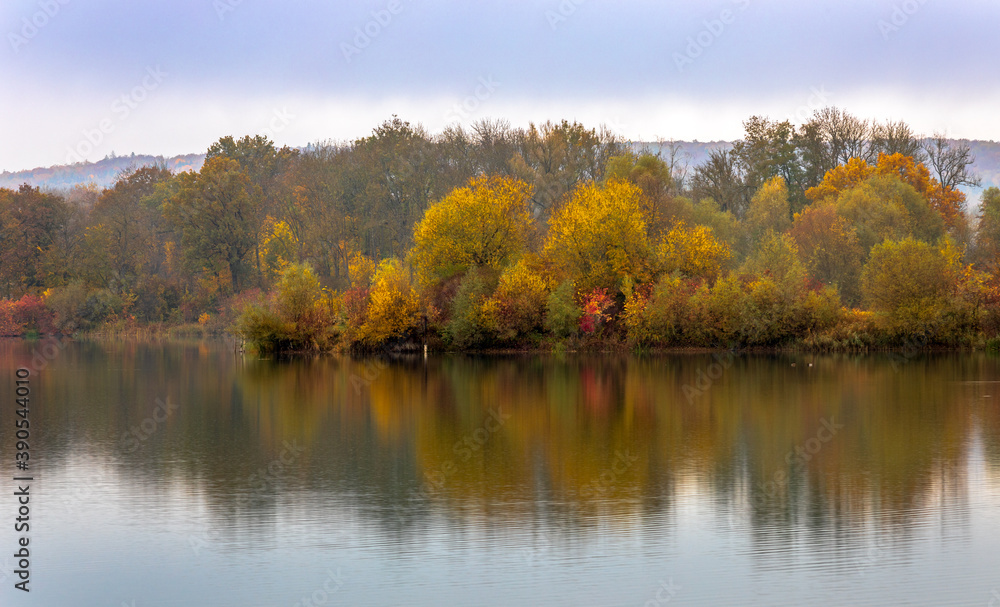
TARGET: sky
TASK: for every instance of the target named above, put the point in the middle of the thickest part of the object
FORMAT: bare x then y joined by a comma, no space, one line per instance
86,78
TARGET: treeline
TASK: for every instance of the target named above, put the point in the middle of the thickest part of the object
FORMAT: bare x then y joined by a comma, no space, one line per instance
838,233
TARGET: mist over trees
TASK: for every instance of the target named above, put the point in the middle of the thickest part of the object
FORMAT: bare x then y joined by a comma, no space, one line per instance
832,232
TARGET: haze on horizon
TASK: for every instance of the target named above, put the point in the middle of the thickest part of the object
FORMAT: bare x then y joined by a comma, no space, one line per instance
85,79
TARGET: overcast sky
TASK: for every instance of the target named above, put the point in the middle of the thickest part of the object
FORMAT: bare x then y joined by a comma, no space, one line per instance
83,78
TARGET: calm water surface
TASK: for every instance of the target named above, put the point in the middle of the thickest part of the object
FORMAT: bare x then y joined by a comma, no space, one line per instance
179,474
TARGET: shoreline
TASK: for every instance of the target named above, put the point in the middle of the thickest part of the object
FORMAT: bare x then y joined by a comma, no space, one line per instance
413,348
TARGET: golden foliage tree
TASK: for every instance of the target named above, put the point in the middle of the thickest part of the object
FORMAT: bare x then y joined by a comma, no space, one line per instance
279,247
599,236
692,251
392,305
916,287
485,224
769,209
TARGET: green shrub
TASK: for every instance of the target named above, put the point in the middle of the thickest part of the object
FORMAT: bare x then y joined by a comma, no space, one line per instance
562,314
465,328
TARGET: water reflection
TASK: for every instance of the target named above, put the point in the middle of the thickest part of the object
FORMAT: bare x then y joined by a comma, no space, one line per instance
785,473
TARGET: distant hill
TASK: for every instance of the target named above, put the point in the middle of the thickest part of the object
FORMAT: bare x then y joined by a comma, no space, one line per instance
987,165
102,173
692,153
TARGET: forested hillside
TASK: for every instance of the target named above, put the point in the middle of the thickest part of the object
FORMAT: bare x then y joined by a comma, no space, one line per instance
840,233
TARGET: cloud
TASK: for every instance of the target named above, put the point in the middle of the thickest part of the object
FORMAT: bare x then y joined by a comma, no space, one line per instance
639,62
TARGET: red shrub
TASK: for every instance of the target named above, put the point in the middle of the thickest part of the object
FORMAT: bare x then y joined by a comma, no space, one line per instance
9,325
31,312
595,305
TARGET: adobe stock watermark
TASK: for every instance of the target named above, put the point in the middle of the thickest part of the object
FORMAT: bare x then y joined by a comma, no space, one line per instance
256,484
323,594
121,108
797,458
365,34
713,30
373,369
129,442
994,598
705,378
565,10
135,436
900,16
818,99
31,26
665,592
280,119
465,448
537,551
471,104
224,7
623,462
51,348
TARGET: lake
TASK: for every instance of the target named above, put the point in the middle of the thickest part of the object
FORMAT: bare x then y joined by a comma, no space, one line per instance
177,473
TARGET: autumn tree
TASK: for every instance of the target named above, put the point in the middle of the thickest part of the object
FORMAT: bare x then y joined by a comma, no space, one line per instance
653,176
218,214
988,230
829,248
599,236
907,281
122,238
390,179
778,258
516,308
494,144
257,158
554,158
278,248
951,162
29,223
833,137
692,251
895,137
721,179
946,201
320,215
392,306
767,150
769,210
484,224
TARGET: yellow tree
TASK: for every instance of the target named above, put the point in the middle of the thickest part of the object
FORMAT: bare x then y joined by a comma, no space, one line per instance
692,251
908,282
769,209
485,224
598,238
392,305
279,247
